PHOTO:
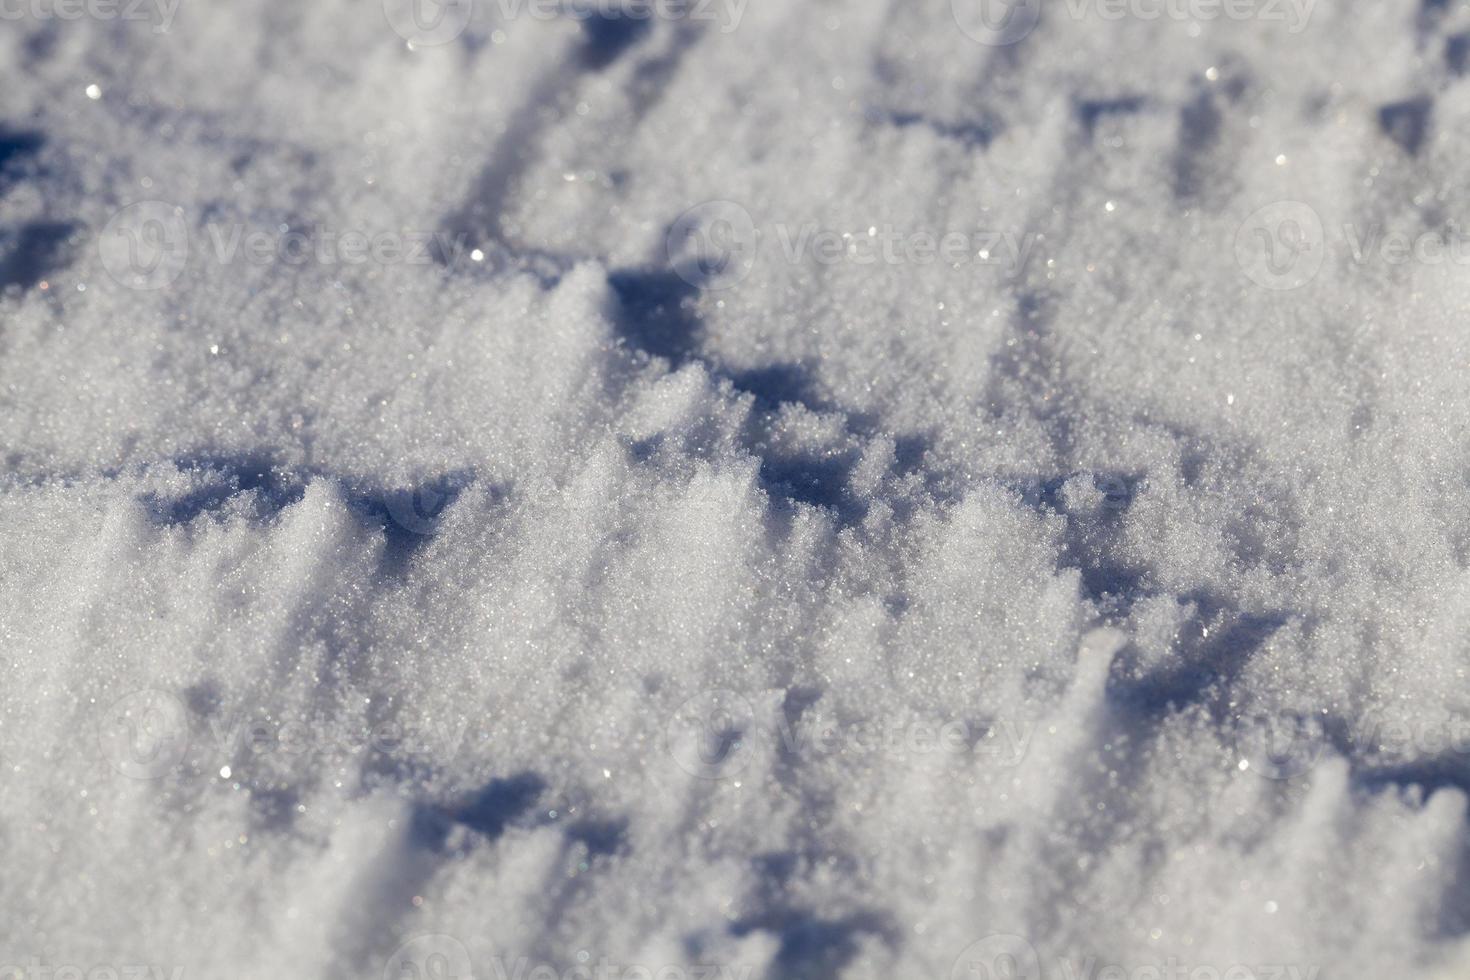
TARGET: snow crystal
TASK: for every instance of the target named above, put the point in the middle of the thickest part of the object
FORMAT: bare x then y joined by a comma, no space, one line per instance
804,490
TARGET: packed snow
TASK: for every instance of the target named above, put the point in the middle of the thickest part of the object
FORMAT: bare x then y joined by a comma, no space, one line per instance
767,490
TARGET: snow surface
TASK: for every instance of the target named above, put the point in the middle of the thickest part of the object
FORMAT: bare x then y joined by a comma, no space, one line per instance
1096,607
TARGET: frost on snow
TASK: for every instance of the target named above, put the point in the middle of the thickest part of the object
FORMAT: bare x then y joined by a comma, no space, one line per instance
758,490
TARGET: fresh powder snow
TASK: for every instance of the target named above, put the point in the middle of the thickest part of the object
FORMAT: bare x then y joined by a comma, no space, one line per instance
741,489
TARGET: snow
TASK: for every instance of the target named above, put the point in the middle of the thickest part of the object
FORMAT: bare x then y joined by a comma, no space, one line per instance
752,490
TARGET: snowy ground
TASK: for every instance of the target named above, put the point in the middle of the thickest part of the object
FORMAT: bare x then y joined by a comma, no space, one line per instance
766,489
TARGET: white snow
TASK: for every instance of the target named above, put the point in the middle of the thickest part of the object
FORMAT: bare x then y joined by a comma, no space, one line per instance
794,491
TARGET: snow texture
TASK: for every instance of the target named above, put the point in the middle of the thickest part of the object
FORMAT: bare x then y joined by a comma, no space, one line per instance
762,490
